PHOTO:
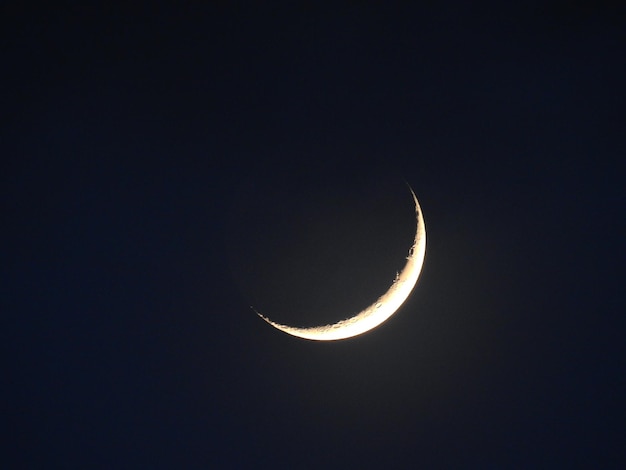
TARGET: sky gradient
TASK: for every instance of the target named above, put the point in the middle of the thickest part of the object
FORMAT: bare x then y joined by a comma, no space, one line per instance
164,169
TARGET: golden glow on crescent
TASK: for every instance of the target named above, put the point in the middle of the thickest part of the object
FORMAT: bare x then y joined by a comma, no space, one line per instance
386,305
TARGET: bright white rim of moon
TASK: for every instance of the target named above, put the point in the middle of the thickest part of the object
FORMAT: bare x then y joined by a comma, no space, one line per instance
383,308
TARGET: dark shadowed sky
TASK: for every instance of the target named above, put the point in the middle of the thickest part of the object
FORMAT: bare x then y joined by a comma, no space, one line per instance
163,169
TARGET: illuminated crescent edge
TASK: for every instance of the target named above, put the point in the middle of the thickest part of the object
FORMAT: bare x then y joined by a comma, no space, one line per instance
383,308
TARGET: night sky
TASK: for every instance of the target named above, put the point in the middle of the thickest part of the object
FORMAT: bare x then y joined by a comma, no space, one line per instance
165,169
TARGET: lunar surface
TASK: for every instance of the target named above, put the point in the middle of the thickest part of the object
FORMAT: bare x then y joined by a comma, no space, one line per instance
383,308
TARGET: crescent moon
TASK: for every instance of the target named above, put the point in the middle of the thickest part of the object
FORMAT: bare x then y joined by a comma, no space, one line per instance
383,308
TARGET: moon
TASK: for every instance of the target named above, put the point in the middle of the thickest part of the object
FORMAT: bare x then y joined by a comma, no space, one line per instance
383,308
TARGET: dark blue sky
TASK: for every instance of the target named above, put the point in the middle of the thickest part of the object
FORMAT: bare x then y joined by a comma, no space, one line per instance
162,169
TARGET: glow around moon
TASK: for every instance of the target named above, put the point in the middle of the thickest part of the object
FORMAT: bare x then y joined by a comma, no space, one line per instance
383,308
